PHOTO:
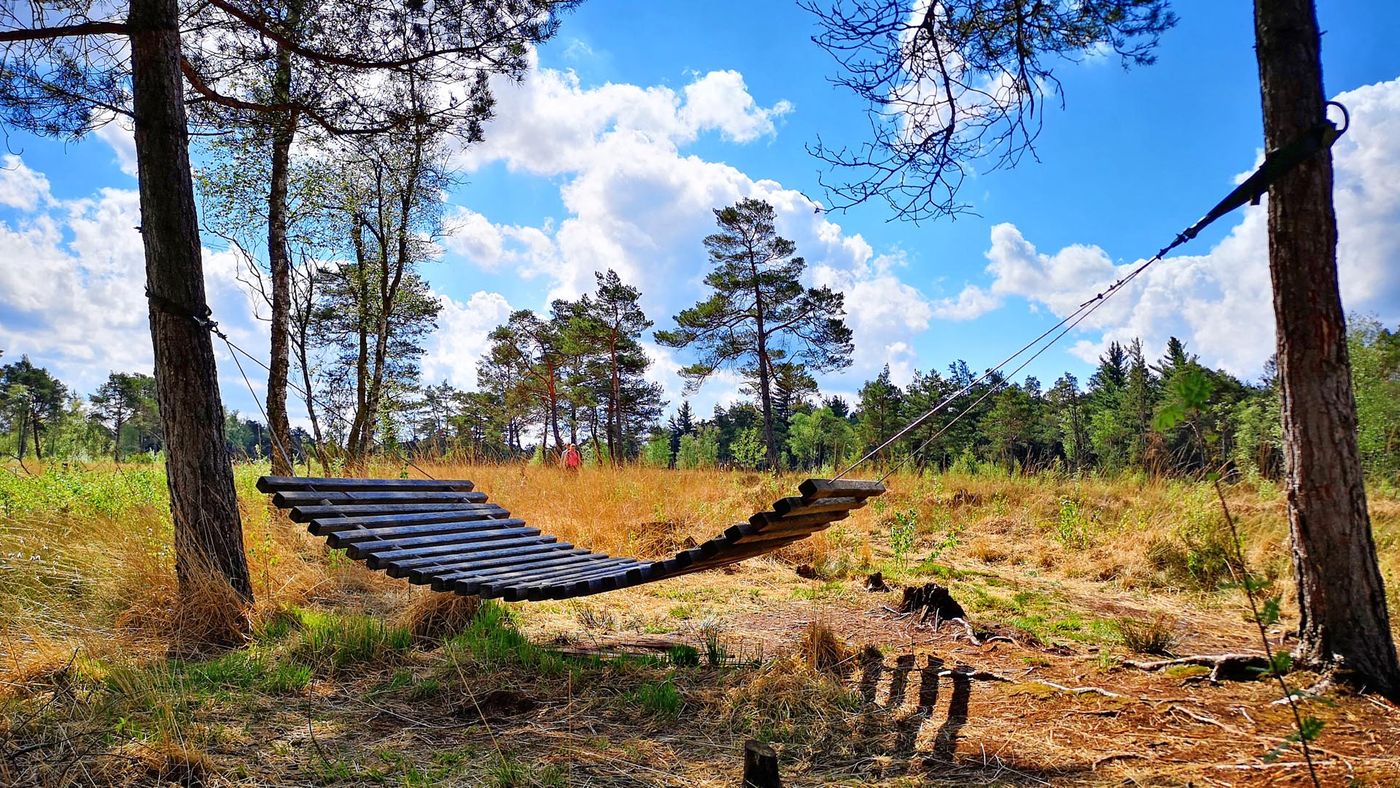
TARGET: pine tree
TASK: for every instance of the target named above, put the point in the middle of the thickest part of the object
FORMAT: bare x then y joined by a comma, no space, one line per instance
879,412
759,314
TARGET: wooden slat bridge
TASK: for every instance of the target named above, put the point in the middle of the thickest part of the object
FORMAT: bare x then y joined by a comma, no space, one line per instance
444,534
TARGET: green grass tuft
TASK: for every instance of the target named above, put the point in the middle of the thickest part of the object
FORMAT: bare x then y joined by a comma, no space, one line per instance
658,699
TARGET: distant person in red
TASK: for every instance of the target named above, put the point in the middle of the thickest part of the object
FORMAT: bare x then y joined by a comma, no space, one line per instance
572,459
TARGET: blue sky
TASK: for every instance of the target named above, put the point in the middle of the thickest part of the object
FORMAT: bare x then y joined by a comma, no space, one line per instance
641,116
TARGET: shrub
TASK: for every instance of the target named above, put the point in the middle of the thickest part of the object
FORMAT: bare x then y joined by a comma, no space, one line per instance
1155,635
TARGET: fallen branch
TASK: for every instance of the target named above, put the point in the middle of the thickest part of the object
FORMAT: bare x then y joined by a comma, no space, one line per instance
1274,765
1078,690
1218,663
1311,692
1117,756
1207,720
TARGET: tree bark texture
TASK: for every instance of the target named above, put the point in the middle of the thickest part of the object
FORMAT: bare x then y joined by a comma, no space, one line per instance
1344,623
208,533
279,260
280,265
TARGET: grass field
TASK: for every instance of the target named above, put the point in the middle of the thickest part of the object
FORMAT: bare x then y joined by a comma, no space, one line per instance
353,678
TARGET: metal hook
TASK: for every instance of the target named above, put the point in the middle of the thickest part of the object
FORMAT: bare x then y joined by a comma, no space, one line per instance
1346,116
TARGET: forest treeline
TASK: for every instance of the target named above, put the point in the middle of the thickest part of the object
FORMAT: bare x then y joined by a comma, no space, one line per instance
1136,411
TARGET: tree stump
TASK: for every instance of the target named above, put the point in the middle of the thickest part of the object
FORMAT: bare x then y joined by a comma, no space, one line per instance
760,766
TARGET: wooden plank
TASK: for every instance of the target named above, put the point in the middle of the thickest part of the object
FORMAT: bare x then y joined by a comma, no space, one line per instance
772,536
447,559
710,547
769,520
305,514
444,535
841,488
504,562
473,560
389,548
568,574
343,525
382,535
426,574
797,505
271,484
561,582
620,570
555,584
631,576
452,548
286,500
520,567
474,583
597,585
738,553
515,557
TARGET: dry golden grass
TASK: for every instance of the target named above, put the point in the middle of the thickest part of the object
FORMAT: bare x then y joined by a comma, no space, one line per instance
88,598
432,618
822,650
79,572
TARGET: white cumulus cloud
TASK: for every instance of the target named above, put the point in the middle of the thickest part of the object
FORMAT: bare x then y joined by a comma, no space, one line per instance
462,337
1219,301
637,202
72,289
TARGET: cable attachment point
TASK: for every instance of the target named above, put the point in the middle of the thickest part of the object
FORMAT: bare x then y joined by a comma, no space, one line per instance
201,316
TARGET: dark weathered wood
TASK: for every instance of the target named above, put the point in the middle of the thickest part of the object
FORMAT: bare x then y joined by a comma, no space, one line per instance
386,547
795,505
457,559
767,521
568,574
774,533
477,567
272,484
760,766
455,542
302,514
442,552
423,575
491,585
357,535
519,567
740,552
573,583
553,585
841,488
286,500
384,536
628,576
377,523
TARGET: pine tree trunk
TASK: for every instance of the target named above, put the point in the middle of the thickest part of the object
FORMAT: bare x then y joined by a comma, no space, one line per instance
281,269
764,384
23,432
208,533
1344,622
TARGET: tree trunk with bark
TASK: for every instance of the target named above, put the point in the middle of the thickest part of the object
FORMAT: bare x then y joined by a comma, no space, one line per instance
1344,624
280,265
208,533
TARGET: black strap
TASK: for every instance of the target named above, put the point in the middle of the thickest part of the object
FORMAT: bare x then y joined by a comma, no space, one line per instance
169,306
1276,164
